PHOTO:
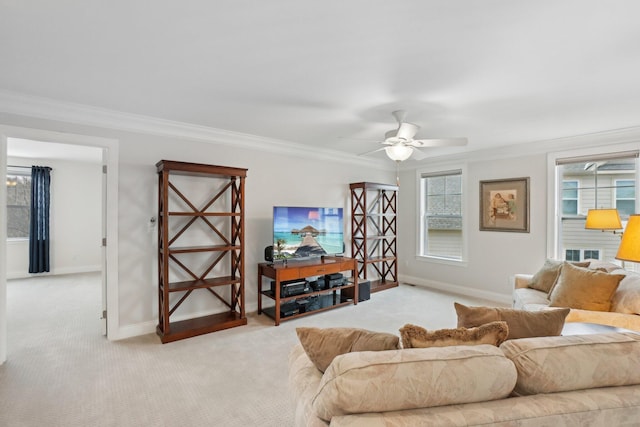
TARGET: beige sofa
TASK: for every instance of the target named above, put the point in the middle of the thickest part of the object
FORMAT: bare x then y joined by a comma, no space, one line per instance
545,381
625,304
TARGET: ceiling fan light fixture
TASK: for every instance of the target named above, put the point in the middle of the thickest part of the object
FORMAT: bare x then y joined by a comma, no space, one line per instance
398,152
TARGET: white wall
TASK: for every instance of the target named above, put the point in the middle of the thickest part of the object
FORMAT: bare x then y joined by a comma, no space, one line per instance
491,256
272,179
76,222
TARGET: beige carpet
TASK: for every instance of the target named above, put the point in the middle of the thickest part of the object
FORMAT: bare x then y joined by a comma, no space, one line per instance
62,372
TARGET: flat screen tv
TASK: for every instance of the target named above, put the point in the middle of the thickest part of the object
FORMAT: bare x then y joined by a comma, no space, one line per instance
305,232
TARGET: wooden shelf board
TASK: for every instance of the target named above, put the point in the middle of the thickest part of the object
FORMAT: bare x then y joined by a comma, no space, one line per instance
201,284
376,237
201,325
208,248
372,260
204,213
378,285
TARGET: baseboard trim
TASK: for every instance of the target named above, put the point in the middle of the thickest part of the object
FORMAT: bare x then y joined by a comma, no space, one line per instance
136,330
456,289
56,272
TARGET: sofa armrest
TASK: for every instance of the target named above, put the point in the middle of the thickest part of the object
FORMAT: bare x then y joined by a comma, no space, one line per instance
520,280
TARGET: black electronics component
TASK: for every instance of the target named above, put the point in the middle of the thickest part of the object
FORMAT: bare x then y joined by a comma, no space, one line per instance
289,309
291,288
268,253
332,280
316,285
364,292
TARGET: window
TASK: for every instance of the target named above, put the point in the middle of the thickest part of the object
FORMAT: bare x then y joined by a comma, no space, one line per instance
625,196
569,197
591,254
18,202
581,254
441,216
572,255
593,182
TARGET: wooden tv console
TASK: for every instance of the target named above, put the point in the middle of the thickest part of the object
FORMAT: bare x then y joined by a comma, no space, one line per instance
279,271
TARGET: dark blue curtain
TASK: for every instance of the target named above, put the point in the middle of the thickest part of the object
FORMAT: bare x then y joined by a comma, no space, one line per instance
39,229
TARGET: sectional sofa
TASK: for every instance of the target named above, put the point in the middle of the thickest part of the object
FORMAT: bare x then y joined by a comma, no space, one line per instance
544,381
624,309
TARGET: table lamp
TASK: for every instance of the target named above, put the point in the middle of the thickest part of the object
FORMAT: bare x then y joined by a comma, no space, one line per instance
629,249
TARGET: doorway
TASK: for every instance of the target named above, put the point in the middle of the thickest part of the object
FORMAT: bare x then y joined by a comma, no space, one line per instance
105,153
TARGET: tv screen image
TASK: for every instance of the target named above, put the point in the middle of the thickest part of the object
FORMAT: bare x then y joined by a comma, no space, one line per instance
303,232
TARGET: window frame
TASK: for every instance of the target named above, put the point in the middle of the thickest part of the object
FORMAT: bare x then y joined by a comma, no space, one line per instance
420,213
554,179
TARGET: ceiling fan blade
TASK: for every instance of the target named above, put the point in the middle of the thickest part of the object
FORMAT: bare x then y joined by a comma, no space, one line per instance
372,151
407,131
392,134
417,154
439,142
400,115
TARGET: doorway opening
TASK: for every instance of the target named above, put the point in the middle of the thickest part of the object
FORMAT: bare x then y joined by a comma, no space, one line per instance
84,208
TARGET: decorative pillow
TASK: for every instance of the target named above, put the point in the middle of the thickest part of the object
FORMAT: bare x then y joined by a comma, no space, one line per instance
417,337
547,276
322,345
522,324
584,289
574,362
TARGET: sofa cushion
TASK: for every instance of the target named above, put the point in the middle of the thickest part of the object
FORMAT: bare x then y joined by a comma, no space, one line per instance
547,276
522,324
413,378
575,362
627,297
529,299
322,345
493,333
584,288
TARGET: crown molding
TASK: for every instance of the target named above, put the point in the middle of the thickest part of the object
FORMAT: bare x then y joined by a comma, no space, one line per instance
86,115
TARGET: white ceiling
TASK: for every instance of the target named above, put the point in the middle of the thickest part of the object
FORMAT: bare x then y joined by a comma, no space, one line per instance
326,73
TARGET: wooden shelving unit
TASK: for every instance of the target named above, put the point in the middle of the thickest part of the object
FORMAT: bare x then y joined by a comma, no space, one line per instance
223,227
374,233
326,299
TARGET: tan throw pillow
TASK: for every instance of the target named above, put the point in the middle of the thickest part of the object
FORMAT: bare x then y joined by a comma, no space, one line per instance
322,345
493,333
547,276
584,289
522,324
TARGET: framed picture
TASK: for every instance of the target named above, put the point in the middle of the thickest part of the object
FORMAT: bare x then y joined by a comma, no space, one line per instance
504,205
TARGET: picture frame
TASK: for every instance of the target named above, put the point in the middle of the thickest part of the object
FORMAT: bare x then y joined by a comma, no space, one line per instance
504,205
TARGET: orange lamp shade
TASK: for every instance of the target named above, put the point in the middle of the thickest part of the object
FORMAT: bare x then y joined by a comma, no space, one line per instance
603,219
629,249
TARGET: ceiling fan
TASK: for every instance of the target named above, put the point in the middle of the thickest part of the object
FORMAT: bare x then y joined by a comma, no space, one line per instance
400,145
